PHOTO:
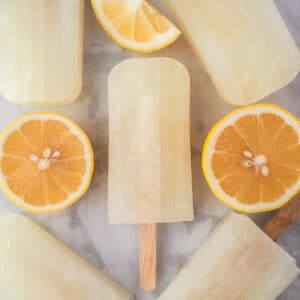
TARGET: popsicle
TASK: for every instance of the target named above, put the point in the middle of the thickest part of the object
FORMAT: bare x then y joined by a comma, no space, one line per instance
239,261
41,51
244,44
149,150
34,266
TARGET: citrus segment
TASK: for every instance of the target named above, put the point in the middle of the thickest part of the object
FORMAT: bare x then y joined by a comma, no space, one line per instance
248,129
135,24
46,162
251,158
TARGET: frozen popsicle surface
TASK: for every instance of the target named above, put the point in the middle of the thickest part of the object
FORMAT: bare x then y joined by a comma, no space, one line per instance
41,50
35,266
238,261
149,142
244,44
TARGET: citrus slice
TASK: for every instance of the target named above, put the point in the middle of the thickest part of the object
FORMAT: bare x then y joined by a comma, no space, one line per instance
46,162
251,158
135,24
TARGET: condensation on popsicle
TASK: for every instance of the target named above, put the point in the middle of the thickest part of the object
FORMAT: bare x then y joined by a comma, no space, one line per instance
41,45
237,261
150,177
244,44
34,265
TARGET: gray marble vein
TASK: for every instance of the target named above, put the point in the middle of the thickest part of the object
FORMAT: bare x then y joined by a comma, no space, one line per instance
84,226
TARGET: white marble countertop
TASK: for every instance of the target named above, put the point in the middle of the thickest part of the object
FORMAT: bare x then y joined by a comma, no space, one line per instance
84,226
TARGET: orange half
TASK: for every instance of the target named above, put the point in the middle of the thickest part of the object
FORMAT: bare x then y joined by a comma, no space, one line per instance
251,158
46,162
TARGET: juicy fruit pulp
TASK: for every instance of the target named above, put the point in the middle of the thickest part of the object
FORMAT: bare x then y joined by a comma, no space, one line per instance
41,45
252,158
135,24
46,162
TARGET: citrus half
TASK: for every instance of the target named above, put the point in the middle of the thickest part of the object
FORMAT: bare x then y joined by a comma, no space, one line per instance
251,158
46,162
135,24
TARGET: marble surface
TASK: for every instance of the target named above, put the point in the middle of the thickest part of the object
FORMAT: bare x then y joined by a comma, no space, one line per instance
84,227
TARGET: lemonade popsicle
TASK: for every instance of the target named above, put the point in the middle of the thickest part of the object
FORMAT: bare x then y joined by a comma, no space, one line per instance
34,265
237,261
244,44
41,51
149,142
150,177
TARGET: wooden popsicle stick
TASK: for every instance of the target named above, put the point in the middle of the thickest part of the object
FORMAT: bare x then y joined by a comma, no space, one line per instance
148,257
286,216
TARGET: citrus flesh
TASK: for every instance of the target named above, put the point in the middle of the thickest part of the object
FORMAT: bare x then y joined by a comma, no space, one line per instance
46,162
251,158
135,24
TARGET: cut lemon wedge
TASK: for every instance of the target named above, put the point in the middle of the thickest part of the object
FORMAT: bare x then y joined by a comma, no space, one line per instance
46,162
135,24
251,158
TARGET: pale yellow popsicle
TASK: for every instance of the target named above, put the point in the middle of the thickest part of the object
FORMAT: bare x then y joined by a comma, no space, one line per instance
41,50
149,142
35,266
244,44
237,261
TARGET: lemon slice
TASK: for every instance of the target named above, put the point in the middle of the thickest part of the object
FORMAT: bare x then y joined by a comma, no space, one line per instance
135,24
251,158
46,162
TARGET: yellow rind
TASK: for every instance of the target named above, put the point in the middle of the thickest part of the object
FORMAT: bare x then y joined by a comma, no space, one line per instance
40,209
206,145
128,47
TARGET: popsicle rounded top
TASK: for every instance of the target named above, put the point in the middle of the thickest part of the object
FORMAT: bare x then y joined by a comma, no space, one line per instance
142,63
149,142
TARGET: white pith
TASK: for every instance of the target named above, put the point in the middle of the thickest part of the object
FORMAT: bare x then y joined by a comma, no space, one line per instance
48,158
135,4
258,162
